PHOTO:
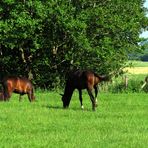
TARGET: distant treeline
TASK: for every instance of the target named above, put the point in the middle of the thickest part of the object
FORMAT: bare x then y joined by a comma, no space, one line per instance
143,55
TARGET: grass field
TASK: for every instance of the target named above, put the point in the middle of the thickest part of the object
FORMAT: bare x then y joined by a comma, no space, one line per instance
139,63
138,68
119,121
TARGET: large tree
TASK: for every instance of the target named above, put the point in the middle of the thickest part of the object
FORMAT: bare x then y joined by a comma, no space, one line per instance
45,39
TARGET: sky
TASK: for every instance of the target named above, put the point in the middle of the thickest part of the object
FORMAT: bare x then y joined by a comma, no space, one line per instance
146,4
145,34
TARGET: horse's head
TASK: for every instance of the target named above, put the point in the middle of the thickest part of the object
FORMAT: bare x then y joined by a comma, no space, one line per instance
65,100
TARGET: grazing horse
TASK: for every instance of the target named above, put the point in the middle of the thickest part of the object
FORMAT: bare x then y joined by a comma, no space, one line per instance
82,79
19,85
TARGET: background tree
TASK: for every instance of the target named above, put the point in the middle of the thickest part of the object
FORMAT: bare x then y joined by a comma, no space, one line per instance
43,40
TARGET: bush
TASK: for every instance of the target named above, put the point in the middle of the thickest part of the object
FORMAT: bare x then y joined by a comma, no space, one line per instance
118,86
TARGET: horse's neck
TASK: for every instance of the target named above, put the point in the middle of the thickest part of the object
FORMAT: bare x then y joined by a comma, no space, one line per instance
68,90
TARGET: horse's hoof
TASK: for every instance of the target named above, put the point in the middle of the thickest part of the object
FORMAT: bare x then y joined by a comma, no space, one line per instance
82,107
94,109
96,105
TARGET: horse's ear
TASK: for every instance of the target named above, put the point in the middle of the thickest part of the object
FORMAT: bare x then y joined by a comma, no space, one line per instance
62,95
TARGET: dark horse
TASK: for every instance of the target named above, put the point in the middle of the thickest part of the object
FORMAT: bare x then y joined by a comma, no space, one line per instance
18,85
81,79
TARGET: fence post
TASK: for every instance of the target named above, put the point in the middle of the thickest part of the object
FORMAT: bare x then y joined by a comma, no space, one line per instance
126,82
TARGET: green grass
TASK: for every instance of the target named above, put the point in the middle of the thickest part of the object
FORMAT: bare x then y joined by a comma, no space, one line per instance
119,121
139,63
136,77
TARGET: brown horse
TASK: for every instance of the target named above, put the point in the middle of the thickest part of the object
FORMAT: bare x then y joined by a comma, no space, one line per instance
18,85
81,79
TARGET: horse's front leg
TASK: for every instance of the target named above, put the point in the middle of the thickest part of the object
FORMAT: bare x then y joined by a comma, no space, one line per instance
20,98
80,98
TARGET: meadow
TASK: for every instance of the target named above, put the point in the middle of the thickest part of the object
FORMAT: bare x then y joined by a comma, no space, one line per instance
138,67
135,77
119,121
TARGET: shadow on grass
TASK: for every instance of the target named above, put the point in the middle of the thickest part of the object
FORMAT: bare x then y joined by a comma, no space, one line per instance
66,109
53,107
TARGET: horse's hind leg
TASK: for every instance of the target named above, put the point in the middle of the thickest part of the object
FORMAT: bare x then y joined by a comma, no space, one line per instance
96,93
29,97
92,98
80,98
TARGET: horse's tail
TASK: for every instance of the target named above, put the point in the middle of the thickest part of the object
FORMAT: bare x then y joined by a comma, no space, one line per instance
33,92
103,77
3,95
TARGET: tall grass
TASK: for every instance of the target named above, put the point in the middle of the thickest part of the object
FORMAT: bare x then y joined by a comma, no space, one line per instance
119,121
134,84
135,74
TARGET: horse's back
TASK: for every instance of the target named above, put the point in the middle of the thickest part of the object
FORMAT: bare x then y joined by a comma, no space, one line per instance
20,84
24,84
80,78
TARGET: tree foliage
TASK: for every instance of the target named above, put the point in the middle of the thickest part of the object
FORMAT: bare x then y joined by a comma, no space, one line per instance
43,40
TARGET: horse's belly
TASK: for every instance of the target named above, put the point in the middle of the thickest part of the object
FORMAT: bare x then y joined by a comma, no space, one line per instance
18,91
81,86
